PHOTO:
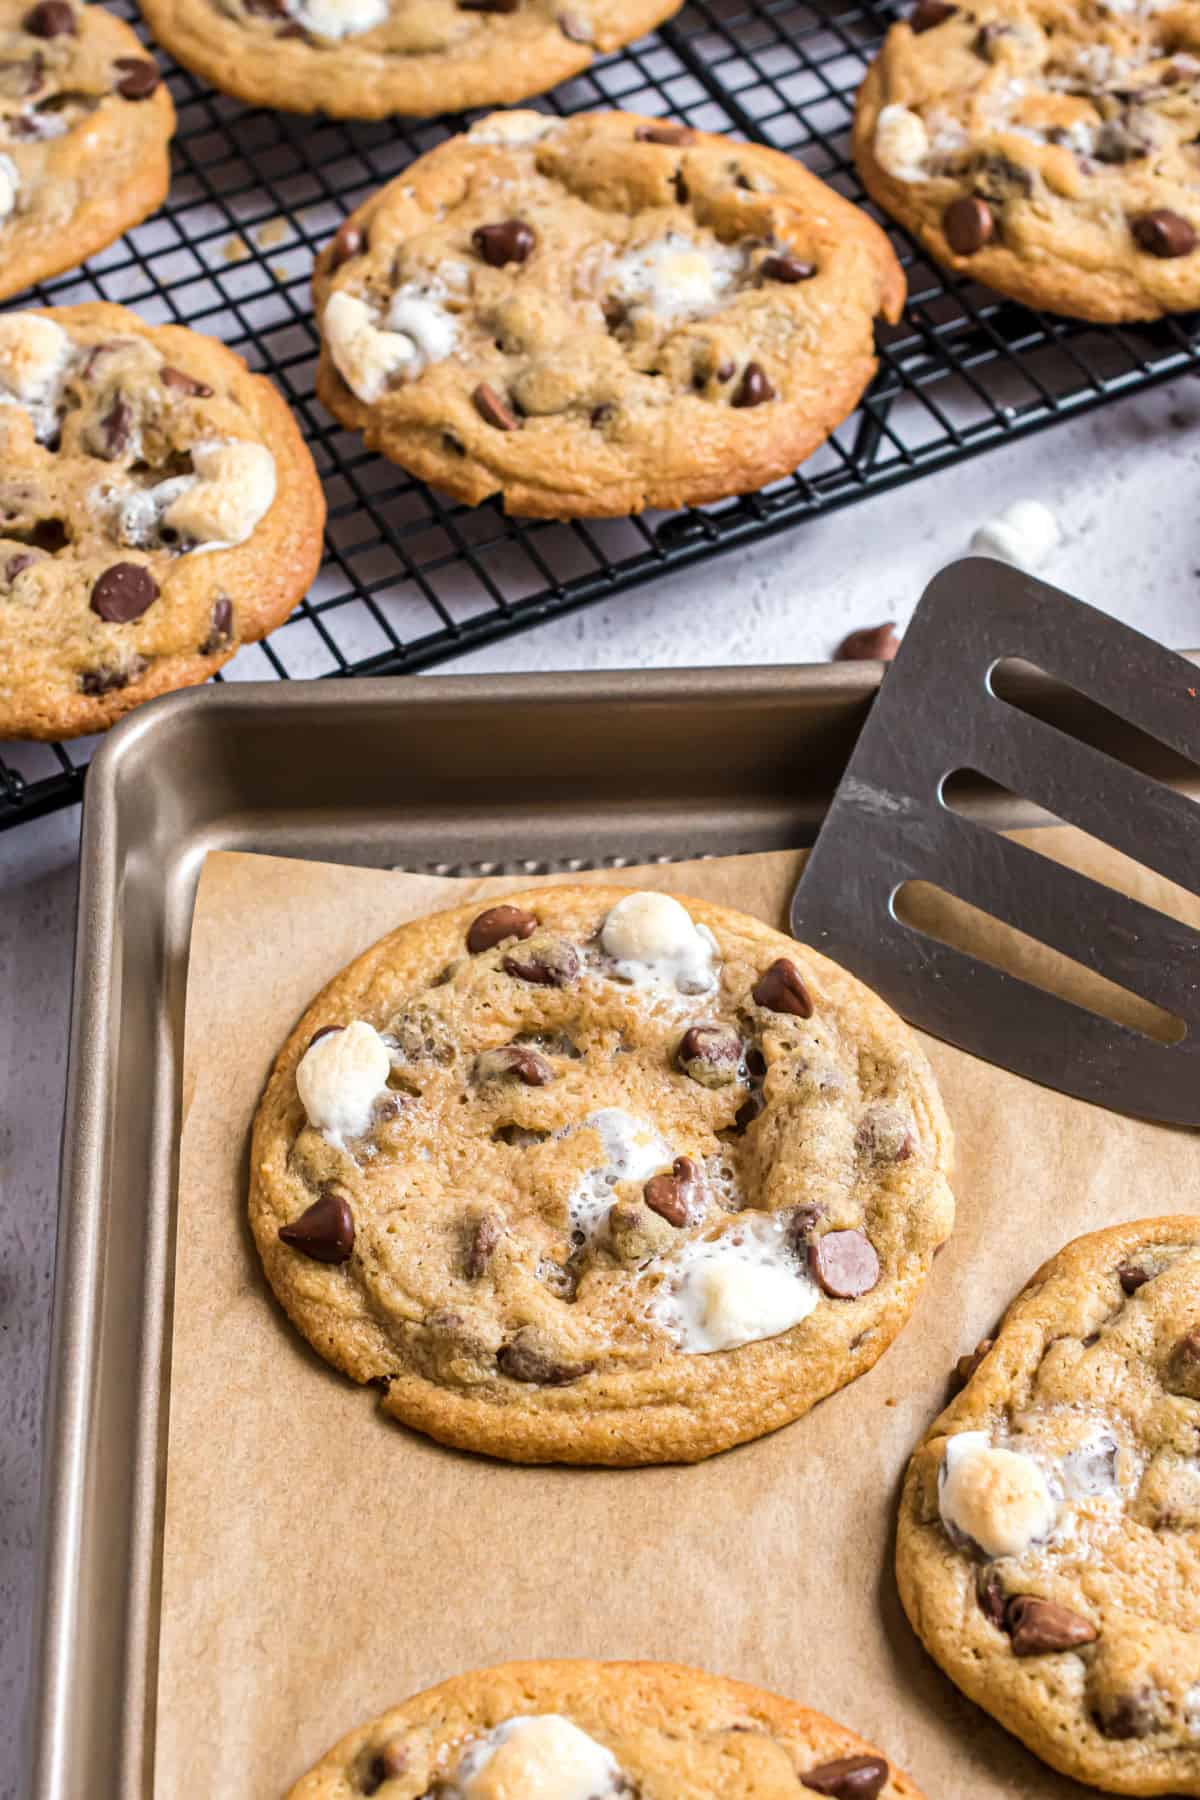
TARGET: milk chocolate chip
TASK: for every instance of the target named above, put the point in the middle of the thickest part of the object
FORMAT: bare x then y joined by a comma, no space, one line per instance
548,962
1183,1368
182,383
523,1360
1131,1277
493,410
966,1366
512,240
710,1054
1130,1715
53,18
848,1777
1163,233
884,1135
753,388
870,643
325,1231
220,628
384,1765
350,241
116,427
845,1264
664,134
513,1060
496,924
968,224
138,77
928,13
993,1601
781,989
1040,1627
123,593
788,269
668,1195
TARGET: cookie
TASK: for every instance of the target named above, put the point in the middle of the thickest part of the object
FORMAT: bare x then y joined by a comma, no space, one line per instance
158,508
601,1731
85,123
1044,147
1049,1535
367,59
598,1176
595,315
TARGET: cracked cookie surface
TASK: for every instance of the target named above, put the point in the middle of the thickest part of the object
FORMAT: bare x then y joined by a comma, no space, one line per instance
599,1176
596,315
366,59
1045,148
602,1731
158,508
1049,1537
85,124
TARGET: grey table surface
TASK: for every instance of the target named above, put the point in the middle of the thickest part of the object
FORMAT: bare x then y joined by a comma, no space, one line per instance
1123,484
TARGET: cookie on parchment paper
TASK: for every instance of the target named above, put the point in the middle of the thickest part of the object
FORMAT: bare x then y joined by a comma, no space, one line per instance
595,315
598,1176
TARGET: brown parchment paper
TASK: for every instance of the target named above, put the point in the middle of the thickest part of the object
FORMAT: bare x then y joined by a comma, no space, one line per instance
320,1563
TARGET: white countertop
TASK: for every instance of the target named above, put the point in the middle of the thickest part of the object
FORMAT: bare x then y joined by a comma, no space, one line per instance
1123,483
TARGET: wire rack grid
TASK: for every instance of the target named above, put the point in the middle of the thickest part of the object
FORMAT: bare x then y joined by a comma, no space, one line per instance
409,578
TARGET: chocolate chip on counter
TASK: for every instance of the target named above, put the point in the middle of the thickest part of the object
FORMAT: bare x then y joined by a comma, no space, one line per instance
1183,1367
748,1111
486,1233
968,224
116,427
788,269
966,1366
325,1230
492,410
989,1592
513,1060
1131,1277
1130,1715
95,682
753,388
512,240
848,1777
51,19
576,28
710,1054
844,1263
1040,1627
664,134
550,962
522,1360
1163,233
123,593
870,643
884,1135
496,924
350,241
668,1195
138,77
220,629
781,989
183,383
384,1765
928,13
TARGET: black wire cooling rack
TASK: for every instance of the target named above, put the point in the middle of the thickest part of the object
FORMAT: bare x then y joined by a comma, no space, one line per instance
409,578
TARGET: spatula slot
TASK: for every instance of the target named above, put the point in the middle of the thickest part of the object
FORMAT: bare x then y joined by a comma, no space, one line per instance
1031,690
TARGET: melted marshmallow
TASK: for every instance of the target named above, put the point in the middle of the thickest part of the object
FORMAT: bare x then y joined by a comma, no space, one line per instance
10,181
746,1284
901,143
233,487
654,943
544,1757
673,275
340,1077
339,18
366,358
416,310
521,126
998,1498
632,1151
34,354
1024,534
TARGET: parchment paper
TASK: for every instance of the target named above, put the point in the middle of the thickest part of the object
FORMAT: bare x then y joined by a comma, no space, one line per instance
320,1563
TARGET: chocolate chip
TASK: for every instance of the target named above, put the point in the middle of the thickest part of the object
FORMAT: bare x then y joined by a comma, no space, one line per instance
123,593
986,39
95,682
523,1360
496,924
51,19
601,414
116,426
488,6
844,1263
966,1366
615,311
1163,233
512,240
1131,1715
385,1765
726,371
884,1135
139,77
51,535
349,242
1118,141
293,29
674,135
1040,1627
682,191
668,1195
577,29
710,1054
968,224
513,1060
1131,1277
1183,1367
928,13
14,565
325,1230
220,630
549,962
492,409
748,1111
184,383
781,989
486,1234
324,1032
848,1777
753,388
786,268
989,1592
870,643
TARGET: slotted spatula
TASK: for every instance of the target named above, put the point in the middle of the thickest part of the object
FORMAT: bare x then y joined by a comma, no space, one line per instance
937,713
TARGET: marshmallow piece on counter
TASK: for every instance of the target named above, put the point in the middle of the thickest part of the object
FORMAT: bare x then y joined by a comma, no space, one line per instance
674,275
520,126
340,1077
745,1285
901,143
365,357
654,943
998,1498
543,1757
340,18
1024,534
233,489
632,1151
10,181
34,353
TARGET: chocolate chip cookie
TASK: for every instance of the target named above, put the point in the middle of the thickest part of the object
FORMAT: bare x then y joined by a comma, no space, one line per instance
595,315
1045,147
599,1176
601,1731
366,59
1049,1533
158,508
85,123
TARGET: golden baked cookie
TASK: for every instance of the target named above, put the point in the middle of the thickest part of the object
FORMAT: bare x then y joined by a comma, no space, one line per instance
158,508
1049,1541
85,124
597,1176
601,1731
366,59
595,315
1045,147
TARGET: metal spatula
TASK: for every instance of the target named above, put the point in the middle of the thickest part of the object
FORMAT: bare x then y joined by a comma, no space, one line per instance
938,713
